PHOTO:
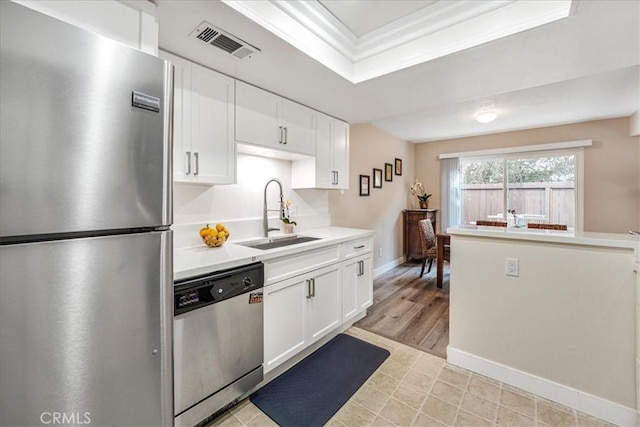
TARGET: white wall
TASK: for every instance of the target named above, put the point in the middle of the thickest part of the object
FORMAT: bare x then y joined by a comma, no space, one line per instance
240,205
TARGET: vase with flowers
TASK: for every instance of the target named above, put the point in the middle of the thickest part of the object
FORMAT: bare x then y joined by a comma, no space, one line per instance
287,222
417,189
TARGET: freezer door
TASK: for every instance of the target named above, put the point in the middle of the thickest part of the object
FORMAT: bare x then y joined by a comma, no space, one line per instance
76,154
85,331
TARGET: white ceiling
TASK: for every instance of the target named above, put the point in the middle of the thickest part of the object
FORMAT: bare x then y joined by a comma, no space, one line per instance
362,17
581,68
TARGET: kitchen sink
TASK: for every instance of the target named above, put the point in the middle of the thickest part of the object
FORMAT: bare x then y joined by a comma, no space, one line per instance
278,242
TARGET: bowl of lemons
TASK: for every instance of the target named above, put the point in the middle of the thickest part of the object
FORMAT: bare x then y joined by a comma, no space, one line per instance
214,237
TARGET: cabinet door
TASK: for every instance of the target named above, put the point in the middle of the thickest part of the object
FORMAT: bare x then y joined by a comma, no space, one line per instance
357,286
298,123
349,289
257,116
364,283
323,294
340,140
212,121
325,174
285,306
181,117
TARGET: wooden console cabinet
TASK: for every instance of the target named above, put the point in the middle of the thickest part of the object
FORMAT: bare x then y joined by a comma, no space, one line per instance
411,231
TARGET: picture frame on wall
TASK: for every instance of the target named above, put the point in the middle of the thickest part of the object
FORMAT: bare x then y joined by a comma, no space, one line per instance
399,167
364,185
377,178
388,172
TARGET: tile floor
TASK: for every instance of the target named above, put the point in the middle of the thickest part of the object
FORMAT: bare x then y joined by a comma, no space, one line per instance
413,388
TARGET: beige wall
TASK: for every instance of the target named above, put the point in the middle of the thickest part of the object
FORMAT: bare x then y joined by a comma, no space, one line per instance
569,317
612,167
382,210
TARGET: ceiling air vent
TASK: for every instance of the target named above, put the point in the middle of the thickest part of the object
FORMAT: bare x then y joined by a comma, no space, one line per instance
223,40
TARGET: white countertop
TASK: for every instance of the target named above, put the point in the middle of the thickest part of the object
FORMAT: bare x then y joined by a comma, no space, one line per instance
197,260
610,240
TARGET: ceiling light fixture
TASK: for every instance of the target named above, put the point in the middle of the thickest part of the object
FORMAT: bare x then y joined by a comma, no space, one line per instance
486,116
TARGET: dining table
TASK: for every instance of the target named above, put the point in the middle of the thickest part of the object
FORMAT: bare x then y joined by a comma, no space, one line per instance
442,239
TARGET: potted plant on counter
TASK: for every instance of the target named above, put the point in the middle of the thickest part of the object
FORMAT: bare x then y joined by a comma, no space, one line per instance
287,223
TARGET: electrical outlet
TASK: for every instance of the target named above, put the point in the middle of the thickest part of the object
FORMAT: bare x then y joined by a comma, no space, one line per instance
511,267
380,252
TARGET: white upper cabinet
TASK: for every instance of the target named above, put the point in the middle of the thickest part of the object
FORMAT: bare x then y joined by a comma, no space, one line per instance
267,120
203,120
134,23
330,167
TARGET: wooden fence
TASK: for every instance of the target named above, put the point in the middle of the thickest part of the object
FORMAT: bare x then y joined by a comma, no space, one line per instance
554,200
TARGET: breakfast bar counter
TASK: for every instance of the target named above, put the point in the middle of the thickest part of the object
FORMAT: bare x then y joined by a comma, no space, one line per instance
551,312
611,240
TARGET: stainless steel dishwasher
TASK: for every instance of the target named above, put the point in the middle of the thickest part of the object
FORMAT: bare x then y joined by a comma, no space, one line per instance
218,341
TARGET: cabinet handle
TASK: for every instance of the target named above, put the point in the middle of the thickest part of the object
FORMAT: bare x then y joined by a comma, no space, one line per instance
309,289
360,268
188,162
196,156
313,286
337,178
286,136
358,247
281,135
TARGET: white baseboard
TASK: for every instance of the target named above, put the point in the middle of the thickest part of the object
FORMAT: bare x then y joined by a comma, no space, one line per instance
388,266
568,396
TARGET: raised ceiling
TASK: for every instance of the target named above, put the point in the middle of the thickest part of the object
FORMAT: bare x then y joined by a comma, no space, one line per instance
402,38
583,67
363,17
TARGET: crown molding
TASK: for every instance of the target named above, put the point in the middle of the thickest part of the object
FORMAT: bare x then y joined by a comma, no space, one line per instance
437,30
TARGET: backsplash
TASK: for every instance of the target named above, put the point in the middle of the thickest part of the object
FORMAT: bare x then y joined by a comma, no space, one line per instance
239,206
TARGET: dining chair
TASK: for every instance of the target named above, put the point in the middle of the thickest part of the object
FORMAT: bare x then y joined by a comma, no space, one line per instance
429,246
548,226
491,223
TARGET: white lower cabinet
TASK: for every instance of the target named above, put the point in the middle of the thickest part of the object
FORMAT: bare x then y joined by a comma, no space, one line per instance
324,302
357,289
333,291
299,311
285,309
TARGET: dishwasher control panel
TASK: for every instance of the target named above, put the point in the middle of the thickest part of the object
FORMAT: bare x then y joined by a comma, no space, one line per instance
200,291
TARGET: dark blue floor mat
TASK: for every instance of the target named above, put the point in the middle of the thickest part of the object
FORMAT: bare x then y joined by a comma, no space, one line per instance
312,391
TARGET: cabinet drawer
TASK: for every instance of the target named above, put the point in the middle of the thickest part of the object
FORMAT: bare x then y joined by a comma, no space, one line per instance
282,268
356,247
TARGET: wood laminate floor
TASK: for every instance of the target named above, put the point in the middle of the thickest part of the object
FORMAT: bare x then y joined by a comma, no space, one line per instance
410,309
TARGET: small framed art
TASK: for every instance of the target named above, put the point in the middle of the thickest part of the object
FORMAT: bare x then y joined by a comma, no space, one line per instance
399,167
388,172
364,185
377,178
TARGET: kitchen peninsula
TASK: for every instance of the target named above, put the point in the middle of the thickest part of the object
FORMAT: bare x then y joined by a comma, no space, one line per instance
554,313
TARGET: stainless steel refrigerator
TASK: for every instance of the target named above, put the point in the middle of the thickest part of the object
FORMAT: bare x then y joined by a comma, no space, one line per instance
85,245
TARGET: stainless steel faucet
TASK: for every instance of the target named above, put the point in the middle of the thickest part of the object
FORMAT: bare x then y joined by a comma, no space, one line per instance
265,222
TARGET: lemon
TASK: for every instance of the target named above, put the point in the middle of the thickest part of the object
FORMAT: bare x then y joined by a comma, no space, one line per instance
220,227
204,231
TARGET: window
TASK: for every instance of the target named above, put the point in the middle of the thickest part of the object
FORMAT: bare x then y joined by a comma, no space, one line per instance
522,187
